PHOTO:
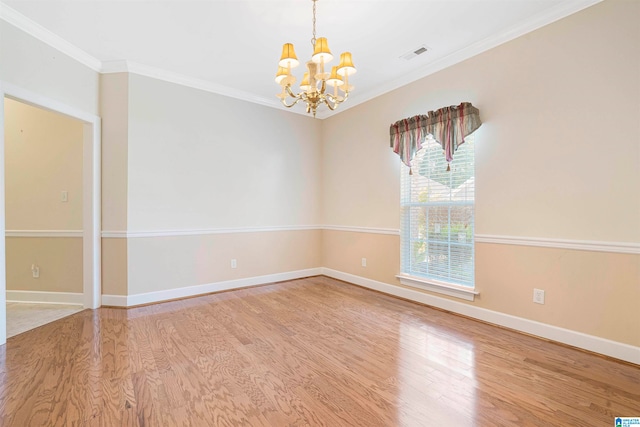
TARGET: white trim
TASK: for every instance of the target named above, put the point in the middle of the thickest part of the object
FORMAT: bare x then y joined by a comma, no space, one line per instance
92,213
580,245
41,297
120,234
170,294
604,346
584,245
370,230
201,232
3,240
31,98
438,287
114,234
36,30
43,233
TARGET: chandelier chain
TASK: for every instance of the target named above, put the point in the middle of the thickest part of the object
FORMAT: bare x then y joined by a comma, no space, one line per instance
313,40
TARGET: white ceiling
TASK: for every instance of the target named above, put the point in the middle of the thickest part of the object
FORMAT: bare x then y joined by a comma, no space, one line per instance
232,47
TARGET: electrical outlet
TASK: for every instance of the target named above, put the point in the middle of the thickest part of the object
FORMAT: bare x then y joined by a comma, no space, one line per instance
35,271
234,263
364,262
538,296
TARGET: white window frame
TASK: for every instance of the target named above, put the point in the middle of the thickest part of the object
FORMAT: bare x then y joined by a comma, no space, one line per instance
427,283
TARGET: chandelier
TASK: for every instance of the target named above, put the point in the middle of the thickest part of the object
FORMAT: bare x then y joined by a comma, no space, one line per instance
313,89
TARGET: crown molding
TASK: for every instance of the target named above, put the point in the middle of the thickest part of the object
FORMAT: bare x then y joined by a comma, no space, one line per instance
34,29
123,66
535,22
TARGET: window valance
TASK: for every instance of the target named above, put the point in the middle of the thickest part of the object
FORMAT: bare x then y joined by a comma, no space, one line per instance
448,126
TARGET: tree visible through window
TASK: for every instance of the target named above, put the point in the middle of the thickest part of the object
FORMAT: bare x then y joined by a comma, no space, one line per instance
437,208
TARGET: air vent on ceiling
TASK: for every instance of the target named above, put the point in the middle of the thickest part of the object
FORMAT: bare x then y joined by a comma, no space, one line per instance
415,52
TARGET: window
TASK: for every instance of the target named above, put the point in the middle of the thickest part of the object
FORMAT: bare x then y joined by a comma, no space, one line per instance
437,209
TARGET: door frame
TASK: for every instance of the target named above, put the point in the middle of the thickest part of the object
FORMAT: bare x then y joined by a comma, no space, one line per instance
91,196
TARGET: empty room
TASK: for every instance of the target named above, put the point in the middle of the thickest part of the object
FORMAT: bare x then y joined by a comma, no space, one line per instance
323,213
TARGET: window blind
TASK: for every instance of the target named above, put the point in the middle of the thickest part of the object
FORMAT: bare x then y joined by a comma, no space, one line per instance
437,215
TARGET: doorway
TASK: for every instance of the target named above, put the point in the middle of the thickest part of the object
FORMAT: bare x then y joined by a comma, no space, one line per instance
88,191
43,215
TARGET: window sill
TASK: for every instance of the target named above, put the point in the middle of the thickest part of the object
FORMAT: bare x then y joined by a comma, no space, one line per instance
438,287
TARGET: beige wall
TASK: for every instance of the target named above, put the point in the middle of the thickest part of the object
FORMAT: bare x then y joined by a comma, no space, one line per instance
43,157
114,267
344,250
162,263
554,160
180,159
59,260
33,65
114,111
588,292
552,106
198,160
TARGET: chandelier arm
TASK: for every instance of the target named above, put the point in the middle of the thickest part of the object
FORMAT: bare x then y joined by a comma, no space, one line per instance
328,104
291,94
332,98
335,100
284,102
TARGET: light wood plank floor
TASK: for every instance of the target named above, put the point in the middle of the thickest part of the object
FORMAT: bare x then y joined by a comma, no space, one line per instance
310,352
22,317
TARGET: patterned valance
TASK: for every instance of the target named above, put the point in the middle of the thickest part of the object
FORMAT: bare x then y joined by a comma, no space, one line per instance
449,126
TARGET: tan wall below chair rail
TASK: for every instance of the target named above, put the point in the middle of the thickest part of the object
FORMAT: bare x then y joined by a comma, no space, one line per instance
173,262
43,159
586,291
114,266
59,260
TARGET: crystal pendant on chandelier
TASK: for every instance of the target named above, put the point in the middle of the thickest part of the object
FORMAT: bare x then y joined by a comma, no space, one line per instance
313,88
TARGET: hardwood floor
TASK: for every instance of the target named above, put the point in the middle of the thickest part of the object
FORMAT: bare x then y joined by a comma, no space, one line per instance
314,352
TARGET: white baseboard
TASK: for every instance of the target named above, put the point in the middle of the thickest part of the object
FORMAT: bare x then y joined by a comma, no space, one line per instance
40,297
604,346
170,294
114,300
